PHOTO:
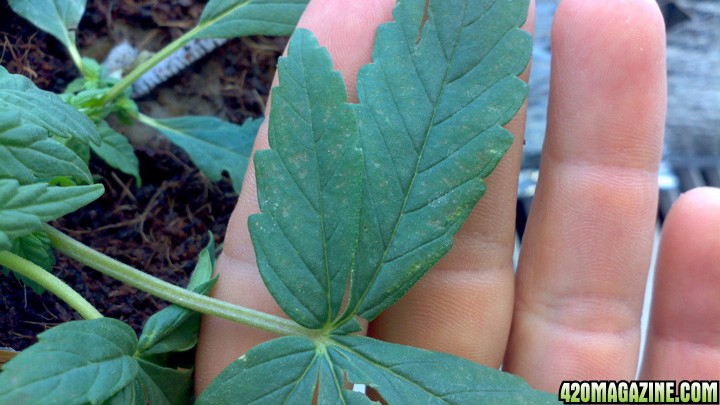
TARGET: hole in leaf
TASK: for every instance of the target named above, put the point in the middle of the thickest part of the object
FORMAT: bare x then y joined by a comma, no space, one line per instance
374,395
422,23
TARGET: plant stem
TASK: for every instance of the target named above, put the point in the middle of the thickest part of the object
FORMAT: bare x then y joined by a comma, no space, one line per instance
144,67
49,282
172,293
76,58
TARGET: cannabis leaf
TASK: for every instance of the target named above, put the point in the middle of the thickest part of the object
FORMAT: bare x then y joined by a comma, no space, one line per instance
155,385
212,144
59,18
23,209
117,151
232,18
101,368
28,154
18,94
404,374
431,108
74,373
432,105
245,381
176,328
308,187
400,374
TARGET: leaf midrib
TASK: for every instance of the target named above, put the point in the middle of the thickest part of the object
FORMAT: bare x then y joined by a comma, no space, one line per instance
158,124
321,194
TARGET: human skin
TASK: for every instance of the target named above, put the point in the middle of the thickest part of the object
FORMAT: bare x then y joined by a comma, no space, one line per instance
573,309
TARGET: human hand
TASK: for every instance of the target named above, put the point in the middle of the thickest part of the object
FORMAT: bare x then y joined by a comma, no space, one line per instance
575,304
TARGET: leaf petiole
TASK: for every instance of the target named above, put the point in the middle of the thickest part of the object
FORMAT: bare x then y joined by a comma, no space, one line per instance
51,283
172,293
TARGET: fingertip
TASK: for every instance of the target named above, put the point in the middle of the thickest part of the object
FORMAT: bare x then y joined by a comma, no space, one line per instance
631,33
691,232
684,335
608,74
634,17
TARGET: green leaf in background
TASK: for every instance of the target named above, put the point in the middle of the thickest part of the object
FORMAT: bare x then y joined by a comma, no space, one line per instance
58,18
155,385
83,362
117,152
18,94
233,18
24,208
90,362
213,145
28,154
309,187
432,106
400,374
175,328
36,248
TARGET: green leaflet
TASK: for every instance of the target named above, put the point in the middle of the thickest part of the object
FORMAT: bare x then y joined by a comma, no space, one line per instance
89,362
430,115
430,127
401,374
18,94
176,328
309,187
213,144
155,385
117,152
29,155
233,18
84,361
23,209
56,17
280,371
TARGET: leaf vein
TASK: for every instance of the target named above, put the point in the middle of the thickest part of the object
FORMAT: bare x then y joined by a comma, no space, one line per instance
383,136
429,202
397,107
457,150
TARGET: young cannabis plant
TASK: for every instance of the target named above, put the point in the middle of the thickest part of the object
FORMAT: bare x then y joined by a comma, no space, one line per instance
215,146
366,195
57,149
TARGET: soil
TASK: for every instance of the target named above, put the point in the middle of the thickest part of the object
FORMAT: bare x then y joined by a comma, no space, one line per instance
161,226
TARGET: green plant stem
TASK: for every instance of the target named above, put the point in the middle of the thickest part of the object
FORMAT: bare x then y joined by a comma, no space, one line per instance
49,282
144,67
76,58
172,293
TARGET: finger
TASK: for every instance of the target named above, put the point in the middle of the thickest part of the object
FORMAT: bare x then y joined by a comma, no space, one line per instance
463,305
587,244
347,29
684,335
